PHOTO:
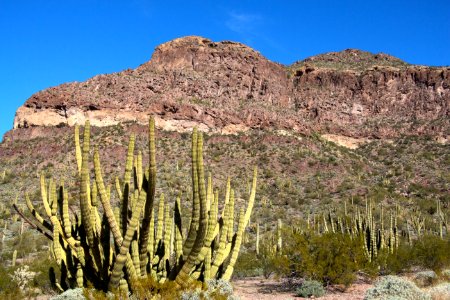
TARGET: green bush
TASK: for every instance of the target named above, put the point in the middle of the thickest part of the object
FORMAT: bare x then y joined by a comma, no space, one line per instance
310,288
431,252
330,258
427,252
248,265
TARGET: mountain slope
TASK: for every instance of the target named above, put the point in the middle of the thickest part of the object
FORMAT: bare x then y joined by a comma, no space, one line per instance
227,87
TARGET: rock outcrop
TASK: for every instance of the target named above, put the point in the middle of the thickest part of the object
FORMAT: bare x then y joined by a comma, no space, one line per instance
228,87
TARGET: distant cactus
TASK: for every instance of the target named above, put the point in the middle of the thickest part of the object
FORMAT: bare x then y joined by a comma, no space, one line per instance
279,237
14,257
125,244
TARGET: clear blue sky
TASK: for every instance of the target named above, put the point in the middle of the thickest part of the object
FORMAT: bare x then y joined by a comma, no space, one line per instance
45,43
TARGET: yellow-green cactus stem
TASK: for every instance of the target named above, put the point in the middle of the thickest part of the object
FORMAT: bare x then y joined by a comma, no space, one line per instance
126,184
235,251
230,221
78,148
66,217
151,241
178,230
85,203
14,258
251,199
160,222
123,288
183,279
207,264
224,247
147,225
195,216
122,258
57,246
105,200
34,212
118,187
279,237
44,196
257,238
167,232
139,172
80,279
135,255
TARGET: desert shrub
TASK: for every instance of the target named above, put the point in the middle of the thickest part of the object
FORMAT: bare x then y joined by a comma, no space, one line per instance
393,287
427,252
216,289
330,258
425,278
8,288
148,287
72,294
25,281
41,266
310,288
440,291
23,277
248,265
431,252
219,289
396,263
446,274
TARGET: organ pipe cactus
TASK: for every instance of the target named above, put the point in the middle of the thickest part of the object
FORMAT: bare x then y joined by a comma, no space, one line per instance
113,251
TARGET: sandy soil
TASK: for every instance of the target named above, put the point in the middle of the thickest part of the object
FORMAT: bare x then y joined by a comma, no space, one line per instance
269,289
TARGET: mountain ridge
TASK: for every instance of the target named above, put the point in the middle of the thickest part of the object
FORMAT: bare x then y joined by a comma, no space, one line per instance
228,87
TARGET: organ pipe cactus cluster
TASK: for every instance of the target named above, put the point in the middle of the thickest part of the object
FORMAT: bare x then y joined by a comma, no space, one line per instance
126,243
372,230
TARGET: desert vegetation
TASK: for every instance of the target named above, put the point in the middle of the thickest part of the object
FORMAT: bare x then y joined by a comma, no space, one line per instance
120,251
323,213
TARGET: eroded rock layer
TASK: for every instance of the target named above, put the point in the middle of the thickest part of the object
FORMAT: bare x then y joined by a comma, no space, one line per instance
228,87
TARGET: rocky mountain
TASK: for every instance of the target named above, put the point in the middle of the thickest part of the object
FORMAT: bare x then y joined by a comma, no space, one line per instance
226,87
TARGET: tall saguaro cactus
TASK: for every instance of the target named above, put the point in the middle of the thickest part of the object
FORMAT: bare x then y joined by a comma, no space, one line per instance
126,244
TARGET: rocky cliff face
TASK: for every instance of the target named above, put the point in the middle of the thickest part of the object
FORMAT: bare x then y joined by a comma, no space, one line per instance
228,87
